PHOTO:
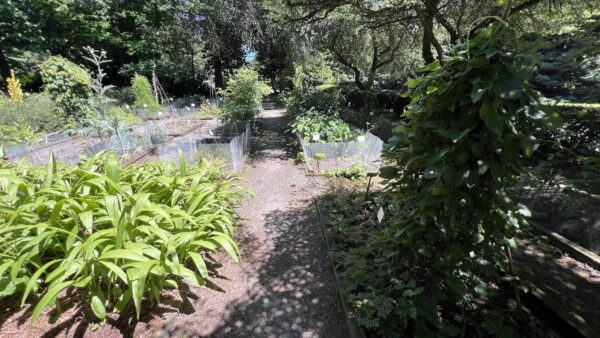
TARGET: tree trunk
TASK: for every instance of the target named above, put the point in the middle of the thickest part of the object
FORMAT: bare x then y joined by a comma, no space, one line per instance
218,67
4,66
427,22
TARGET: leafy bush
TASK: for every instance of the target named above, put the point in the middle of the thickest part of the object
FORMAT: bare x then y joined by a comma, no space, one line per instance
115,234
325,100
143,93
38,111
374,99
459,150
17,133
329,128
123,96
208,110
243,96
69,86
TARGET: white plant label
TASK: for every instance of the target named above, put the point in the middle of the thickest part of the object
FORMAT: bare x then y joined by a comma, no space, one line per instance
380,215
316,137
361,138
159,113
371,113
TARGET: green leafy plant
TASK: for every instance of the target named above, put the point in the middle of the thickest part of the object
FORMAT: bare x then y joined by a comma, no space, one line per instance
116,235
144,99
327,101
319,157
243,96
38,111
17,133
328,128
209,111
69,86
354,172
460,148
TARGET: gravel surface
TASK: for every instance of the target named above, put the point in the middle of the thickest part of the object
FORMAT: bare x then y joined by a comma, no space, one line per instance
283,287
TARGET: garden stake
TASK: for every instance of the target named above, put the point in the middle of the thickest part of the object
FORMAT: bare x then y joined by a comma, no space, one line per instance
370,175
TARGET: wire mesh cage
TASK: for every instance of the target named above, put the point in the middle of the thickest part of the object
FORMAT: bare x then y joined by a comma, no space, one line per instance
364,152
71,149
223,145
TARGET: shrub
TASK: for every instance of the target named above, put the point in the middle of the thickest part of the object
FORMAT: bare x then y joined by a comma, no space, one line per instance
143,93
115,234
38,111
324,99
17,133
243,96
69,86
123,96
208,110
328,128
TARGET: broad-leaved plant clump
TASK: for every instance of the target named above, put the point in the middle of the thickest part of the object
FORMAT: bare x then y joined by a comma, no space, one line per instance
329,128
115,235
458,151
69,85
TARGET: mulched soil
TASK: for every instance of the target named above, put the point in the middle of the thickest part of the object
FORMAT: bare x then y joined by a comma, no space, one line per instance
283,287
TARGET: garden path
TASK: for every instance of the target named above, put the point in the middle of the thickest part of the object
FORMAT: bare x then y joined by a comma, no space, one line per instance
284,286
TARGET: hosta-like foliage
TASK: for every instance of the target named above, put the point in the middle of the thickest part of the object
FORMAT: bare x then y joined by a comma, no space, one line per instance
117,234
328,128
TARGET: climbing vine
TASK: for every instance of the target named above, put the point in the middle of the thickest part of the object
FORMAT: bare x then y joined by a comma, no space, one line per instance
460,147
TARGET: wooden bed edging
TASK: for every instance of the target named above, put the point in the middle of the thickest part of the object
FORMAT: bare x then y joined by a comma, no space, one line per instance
575,250
353,328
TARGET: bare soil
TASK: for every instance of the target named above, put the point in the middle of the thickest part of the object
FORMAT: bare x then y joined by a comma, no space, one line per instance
283,287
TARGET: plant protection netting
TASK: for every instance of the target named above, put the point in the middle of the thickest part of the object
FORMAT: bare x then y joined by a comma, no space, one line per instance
224,145
72,149
365,152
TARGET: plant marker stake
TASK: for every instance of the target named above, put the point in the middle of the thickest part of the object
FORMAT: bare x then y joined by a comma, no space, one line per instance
368,185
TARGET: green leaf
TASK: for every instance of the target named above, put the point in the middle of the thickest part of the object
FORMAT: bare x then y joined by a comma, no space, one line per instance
200,265
97,305
491,116
48,298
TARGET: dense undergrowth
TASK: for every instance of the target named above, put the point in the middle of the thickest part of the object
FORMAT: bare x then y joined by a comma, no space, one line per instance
115,234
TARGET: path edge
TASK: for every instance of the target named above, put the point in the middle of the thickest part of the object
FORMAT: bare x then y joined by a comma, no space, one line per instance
353,328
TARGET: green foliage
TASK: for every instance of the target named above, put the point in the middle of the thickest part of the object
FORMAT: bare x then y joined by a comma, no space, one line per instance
458,151
328,128
209,111
116,234
38,111
312,72
324,99
17,133
123,96
69,86
352,173
243,96
144,99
